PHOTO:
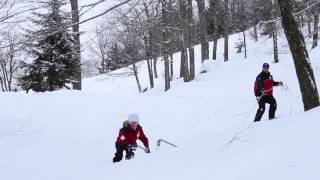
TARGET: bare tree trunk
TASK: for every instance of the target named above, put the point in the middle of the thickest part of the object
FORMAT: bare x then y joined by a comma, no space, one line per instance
226,30
155,67
255,33
315,30
150,73
76,34
189,39
203,31
148,44
255,29
11,67
184,39
135,72
4,76
171,66
103,62
244,43
274,36
275,46
309,27
165,44
182,58
214,3
184,62
1,83
302,21
308,87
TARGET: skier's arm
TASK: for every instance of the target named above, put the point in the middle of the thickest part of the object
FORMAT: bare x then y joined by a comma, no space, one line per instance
122,138
277,83
259,84
144,138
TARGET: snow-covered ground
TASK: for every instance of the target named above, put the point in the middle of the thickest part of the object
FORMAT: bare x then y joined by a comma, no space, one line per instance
70,135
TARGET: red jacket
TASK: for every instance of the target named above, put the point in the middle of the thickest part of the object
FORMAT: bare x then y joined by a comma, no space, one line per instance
264,82
130,136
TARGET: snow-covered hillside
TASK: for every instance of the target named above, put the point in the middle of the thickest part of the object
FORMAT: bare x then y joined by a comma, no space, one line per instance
70,135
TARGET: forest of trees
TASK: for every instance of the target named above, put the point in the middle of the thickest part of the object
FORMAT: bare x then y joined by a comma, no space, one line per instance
48,56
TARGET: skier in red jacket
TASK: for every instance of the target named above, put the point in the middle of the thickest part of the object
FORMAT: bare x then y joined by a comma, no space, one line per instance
128,135
264,93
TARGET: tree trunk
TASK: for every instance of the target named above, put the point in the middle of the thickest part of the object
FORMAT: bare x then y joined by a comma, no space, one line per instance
226,30
275,47
150,73
135,72
215,33
315,30
155,67
76,34
4,76
165,44
189,39
203,30
302,21
309,27
244,44
1,83
255,33
11,67
308,87
274,36
148,45
103,62
184,37
171,66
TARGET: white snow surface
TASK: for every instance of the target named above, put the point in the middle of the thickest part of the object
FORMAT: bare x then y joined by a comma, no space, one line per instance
70,135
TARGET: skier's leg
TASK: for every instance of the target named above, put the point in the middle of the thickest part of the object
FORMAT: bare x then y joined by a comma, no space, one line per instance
273,107
129,154
119,154
260,111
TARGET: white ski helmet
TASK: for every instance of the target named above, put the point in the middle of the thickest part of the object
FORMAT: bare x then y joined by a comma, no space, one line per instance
133,118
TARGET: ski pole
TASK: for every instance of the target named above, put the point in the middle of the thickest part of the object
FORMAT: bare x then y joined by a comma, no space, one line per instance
141,147
161,140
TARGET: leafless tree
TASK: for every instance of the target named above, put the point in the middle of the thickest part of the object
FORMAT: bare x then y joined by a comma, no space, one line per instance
10,59
203,30
226,30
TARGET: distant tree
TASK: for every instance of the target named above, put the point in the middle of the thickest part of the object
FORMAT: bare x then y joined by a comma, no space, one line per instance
183,38
315,26
10,58
76,36
54,64
190,28
165,47
203,30
226,30
215,14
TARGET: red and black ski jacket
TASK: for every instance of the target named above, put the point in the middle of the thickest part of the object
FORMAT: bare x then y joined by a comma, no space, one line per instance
264,82
129,136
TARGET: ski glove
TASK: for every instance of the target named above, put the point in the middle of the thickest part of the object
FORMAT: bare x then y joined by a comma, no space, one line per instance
281,83
147,150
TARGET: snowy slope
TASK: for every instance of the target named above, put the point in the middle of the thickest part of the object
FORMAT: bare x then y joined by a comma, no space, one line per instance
69,135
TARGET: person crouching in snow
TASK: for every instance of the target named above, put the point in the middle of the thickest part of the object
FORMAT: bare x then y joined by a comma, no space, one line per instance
128,135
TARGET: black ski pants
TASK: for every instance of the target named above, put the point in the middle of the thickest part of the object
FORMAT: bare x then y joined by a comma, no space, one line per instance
262,106
119,154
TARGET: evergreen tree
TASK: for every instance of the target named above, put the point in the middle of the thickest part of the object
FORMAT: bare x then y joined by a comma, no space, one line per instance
52,50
